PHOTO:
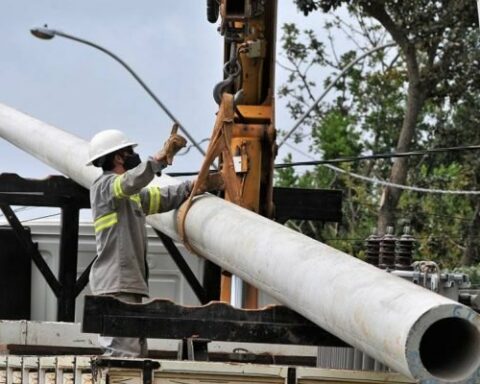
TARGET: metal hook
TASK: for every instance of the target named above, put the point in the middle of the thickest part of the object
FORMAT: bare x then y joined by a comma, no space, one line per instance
232,69
237,99
220,88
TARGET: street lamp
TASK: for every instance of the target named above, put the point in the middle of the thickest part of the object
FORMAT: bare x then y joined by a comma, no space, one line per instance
46,33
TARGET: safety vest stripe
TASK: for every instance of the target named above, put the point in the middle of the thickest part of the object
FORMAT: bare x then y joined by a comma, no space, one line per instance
154,206
106,221
136,199
117,188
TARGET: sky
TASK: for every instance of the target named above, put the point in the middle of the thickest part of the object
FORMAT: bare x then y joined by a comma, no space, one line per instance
168,43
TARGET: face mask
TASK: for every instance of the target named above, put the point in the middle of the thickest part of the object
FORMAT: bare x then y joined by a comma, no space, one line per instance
130,161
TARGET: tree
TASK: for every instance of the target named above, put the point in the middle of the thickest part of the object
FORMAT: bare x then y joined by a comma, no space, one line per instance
460,126
338,127
368,113
434,40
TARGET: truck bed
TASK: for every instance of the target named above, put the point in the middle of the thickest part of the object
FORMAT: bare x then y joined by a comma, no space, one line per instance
94,369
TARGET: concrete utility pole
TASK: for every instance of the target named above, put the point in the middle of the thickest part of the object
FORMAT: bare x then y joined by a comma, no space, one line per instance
414,331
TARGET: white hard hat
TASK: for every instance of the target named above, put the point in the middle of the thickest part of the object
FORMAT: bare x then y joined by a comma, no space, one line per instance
106,142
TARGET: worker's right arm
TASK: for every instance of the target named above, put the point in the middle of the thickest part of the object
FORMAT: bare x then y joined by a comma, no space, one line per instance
132,181
131,185
163,199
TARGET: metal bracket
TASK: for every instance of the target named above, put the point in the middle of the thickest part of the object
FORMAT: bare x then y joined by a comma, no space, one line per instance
307,204
292,375
193,348
216,321
147,366
55,191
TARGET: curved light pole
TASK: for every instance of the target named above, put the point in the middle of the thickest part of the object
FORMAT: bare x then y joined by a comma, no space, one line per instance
320,98
48,34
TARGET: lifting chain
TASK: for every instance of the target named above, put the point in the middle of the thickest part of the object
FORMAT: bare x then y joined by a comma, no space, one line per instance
232,70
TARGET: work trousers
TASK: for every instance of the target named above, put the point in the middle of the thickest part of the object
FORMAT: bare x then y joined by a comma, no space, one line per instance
124,346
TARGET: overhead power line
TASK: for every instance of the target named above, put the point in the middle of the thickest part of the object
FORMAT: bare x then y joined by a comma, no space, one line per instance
41,217
432,237
328,164
187,149
401,186
386,183
377,156
17,210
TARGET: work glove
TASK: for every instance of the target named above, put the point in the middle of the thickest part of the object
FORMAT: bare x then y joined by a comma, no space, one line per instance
214,182
170,148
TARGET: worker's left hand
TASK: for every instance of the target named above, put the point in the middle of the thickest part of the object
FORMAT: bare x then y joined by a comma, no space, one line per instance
173,144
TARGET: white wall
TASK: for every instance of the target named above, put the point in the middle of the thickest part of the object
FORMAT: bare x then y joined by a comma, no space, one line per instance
166,281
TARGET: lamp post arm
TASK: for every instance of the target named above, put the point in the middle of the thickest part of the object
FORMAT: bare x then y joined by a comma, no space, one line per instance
320,98
145,87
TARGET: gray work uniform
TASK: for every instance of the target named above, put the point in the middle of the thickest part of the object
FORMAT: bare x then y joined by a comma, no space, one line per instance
119,205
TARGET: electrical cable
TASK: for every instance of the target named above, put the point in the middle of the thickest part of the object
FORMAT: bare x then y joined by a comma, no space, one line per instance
26,208
328,164
362,240
187,149
41,217
436,236
181,174
387,183
377,156
21,209
402,186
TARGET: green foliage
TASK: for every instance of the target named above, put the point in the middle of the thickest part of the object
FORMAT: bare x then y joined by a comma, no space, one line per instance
473,272
335,135
445,34
308,6
439,220
286,177
366,110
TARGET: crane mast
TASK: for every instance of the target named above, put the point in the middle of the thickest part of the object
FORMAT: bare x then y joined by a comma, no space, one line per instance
249,28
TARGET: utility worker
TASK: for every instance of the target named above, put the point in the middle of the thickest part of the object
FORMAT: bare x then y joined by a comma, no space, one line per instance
120,201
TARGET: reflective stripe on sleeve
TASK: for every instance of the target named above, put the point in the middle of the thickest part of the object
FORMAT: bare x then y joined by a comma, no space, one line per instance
154,206
136,199
106,221
117,188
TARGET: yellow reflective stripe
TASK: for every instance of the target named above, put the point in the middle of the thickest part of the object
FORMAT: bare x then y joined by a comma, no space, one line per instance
117,188
106,221
154,206
136,199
